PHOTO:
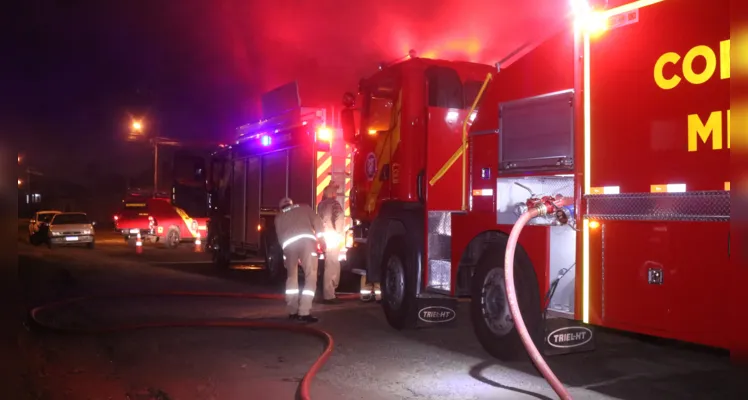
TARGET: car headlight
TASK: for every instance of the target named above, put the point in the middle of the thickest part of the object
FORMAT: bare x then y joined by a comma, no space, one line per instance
55,233
86,231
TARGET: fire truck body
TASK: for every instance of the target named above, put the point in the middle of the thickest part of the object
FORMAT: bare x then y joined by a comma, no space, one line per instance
293,153
631,123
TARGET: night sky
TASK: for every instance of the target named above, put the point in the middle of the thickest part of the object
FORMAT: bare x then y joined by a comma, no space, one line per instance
193,68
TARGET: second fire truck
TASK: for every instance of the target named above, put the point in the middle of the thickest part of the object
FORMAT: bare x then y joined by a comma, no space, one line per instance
628,121
294,152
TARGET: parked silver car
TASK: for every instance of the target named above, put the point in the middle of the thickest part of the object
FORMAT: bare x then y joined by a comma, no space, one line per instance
72,228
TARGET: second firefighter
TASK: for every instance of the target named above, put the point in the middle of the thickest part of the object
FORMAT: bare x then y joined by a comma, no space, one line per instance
333,220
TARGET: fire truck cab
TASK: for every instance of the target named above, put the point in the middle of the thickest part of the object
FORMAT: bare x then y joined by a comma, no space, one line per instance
631,123
293,152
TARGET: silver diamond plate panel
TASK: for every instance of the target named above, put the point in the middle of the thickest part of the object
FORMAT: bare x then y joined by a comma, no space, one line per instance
687,206
440,233
440,223
440,274
440,249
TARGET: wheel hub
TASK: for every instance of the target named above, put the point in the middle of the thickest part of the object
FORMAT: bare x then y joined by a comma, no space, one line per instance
395,283
494,303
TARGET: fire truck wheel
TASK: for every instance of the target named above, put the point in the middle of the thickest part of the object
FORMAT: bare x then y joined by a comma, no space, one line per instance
398,285
276,270
172,237
489,308
222,259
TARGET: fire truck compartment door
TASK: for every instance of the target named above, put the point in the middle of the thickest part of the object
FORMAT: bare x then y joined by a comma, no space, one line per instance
238,198
252,207
537,133
274,170
301,177
636,269
444,138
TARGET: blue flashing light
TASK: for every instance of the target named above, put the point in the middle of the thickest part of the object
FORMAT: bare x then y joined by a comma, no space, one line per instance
265,140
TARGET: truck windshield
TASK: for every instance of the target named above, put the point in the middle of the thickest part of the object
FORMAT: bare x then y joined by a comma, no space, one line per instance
63,219
446,89
380,114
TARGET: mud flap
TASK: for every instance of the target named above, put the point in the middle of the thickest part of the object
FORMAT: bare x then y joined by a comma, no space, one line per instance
435,311
565,336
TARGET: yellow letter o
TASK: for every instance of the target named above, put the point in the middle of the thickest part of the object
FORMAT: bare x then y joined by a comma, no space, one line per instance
711,64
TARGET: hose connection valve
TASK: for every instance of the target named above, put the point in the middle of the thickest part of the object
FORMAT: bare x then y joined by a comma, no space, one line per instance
551,206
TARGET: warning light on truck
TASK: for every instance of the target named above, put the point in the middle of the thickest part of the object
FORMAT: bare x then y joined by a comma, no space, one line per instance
265,140
324,134
587,19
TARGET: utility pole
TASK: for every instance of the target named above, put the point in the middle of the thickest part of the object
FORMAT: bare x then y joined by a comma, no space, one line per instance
155,166
137,133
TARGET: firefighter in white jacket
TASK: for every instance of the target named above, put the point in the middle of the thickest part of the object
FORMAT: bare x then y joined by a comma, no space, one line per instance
299,229
333,220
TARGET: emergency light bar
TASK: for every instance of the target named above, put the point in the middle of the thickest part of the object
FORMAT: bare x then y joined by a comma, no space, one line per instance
292,119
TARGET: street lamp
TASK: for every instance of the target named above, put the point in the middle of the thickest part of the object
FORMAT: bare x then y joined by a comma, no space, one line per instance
138,133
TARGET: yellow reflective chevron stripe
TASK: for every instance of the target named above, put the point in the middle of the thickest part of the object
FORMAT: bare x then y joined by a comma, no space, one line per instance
386,146
324,173
187,221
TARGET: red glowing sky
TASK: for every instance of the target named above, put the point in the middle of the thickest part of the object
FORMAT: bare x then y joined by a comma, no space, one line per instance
328,45
195,68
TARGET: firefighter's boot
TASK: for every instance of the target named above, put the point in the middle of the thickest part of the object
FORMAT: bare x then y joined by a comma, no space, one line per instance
377,292
367,290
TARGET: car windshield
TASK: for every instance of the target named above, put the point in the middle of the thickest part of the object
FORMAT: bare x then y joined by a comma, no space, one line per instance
62,219
45,217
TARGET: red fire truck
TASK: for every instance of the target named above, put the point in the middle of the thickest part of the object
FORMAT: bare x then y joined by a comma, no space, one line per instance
623,109
293,152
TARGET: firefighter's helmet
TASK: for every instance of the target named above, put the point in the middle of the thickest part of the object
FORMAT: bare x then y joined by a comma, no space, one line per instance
330,190
285,202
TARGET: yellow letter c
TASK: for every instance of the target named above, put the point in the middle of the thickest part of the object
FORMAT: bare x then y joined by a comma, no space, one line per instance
662,82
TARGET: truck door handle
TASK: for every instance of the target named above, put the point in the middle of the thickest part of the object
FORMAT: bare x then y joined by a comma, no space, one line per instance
728,244
419,186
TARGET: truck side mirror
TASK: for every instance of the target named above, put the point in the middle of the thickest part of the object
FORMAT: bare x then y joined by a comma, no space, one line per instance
348,123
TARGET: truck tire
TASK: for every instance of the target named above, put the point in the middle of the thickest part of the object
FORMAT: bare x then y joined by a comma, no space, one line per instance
489,308
172,237
276,270
222,259
398,285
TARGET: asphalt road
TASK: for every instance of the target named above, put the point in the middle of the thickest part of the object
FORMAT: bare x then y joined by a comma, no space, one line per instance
370,360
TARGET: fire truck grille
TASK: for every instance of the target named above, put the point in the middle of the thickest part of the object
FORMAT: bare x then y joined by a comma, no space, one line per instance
688,206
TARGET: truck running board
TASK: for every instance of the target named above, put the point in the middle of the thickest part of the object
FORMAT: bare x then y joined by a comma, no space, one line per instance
433,311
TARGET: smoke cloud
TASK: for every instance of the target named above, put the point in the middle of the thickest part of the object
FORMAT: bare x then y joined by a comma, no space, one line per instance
328,45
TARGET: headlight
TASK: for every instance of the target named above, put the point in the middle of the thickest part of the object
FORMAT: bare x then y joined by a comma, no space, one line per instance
53,233
86,231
